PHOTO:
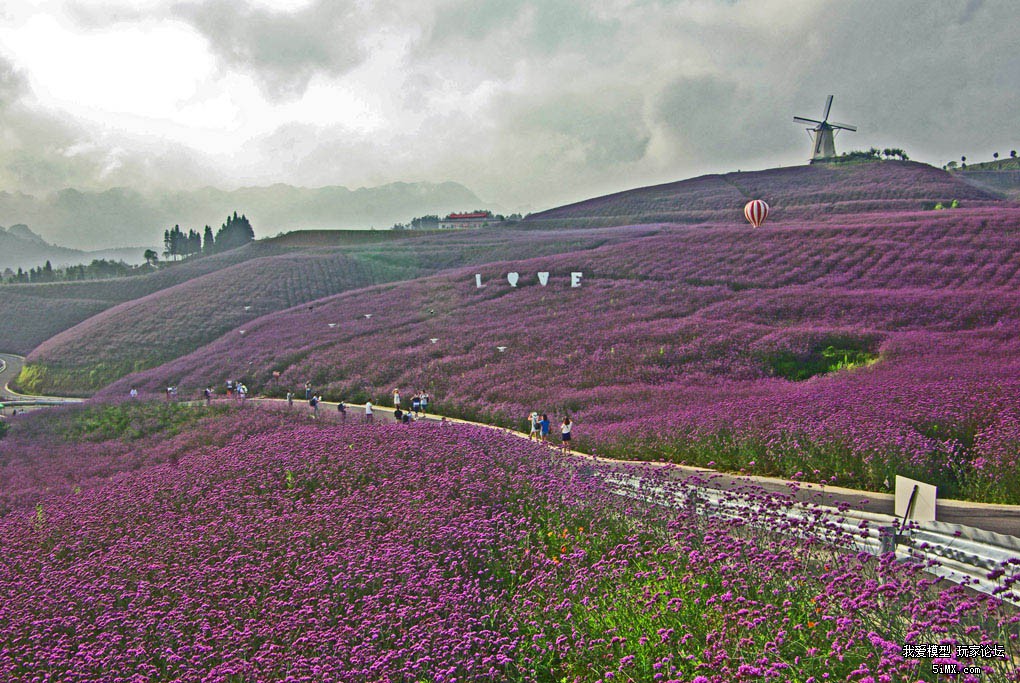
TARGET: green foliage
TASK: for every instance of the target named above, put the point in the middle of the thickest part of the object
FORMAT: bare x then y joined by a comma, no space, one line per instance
235,232
3,429
99,269
40,378
819,360
856,155
132,420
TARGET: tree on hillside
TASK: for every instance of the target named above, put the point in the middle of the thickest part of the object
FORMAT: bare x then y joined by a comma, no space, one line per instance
1012,154
151,257
890,152
208,241
995,156
236,232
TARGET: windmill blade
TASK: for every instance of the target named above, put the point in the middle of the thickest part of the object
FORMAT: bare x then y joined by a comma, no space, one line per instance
801,119
828,106
844,126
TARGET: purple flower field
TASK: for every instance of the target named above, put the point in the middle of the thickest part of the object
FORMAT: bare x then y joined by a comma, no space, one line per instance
33,313
797,192
680,346
168,323
281,550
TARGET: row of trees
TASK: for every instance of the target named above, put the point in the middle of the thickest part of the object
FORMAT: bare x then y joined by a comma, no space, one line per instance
177,244
99,269
431,222
963,161
872,154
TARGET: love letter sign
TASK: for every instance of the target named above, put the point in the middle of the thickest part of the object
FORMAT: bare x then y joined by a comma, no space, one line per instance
543,279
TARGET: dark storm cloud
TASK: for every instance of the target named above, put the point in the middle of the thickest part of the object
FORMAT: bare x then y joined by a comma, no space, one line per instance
284,50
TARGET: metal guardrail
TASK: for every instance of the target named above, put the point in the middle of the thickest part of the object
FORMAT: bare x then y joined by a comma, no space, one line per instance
957,553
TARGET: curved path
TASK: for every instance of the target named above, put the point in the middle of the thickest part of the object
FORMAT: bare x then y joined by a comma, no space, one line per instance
1003,519
10,368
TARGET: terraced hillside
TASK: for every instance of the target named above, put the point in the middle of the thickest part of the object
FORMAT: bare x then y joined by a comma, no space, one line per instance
847,349
32,313
174,321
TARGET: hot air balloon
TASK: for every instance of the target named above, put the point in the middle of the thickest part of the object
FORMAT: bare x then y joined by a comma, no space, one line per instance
756,211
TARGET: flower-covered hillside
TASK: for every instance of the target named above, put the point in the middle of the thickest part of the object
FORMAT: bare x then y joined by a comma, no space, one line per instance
32,313
795,192
172,322
444,553
856,350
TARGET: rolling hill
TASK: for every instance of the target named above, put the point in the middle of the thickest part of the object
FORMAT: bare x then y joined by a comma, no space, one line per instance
794,192
22,248
835,344
174,320
32,313
847,347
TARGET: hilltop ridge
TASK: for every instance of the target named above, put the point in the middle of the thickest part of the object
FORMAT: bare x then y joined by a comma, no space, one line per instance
794,191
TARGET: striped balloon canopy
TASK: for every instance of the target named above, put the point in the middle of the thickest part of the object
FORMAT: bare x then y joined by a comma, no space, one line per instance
756,211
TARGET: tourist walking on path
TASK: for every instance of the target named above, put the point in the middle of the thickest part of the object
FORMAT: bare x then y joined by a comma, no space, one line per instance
290,399
416,404
544,425
314,403
242,391
396,398
308,391
369,417
565,428
424,402
341,408
230,388
533,426
208,395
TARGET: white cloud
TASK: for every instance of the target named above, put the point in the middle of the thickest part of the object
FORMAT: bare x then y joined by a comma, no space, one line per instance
528,102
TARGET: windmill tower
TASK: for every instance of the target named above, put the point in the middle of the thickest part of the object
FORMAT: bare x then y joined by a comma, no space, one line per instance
825,148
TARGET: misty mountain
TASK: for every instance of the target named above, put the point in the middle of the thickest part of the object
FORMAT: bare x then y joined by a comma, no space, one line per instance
92,220
22,248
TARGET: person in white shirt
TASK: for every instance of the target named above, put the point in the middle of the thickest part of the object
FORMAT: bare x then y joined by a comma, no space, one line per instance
369,417
565,428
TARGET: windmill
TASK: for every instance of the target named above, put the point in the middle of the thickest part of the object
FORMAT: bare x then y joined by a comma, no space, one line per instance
825,148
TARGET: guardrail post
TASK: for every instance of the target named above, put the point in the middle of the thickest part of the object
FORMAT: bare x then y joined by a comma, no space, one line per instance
888,538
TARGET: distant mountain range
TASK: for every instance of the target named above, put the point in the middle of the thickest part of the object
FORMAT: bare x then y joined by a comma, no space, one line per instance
95,220
22,248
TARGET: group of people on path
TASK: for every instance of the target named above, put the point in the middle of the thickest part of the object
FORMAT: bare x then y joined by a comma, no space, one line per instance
540,426
419,402
235,390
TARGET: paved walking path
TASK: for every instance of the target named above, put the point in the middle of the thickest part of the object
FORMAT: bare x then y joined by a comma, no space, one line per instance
10,368
1003,519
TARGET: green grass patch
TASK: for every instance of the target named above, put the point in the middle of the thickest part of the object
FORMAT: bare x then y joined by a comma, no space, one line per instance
820,359
43,379
131,421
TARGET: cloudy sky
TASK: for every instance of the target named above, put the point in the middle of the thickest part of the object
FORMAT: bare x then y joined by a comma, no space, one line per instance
529,103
